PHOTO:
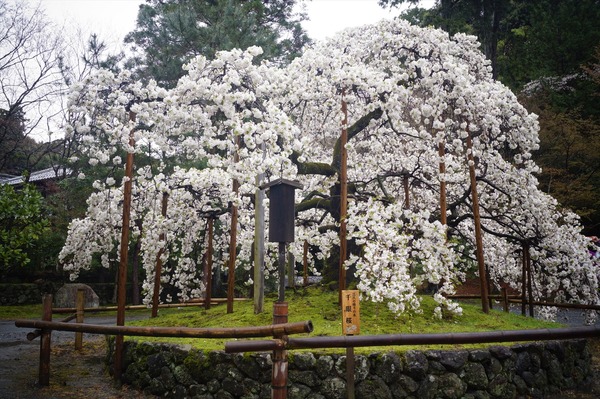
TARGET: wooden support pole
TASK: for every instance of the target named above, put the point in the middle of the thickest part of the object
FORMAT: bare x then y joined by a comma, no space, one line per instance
281,272
80,305
405,184
485,304
233,237
305,263
343,198
123,254
291,270
45,342
529,280
259,247
524,281
231,261
443,204
209,266
505,298
161,251
191,302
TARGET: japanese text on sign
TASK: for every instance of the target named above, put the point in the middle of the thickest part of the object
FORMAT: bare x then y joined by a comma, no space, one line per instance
350,312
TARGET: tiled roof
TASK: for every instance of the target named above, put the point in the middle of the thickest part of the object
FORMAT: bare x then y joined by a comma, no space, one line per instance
40,175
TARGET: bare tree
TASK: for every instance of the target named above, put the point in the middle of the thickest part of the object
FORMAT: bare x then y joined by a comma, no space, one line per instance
31,84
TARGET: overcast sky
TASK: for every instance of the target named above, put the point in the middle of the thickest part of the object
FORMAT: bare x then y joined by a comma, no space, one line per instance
112,19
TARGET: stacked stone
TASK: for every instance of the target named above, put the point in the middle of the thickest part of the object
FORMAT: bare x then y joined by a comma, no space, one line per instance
20,294
531,370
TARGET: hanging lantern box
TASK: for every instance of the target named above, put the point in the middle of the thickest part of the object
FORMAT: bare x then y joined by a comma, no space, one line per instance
281,209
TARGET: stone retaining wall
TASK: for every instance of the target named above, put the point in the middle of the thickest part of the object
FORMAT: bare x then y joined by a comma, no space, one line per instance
20,294
31,294
530,370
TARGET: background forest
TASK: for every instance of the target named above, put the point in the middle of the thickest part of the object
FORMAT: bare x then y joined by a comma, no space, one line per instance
546,51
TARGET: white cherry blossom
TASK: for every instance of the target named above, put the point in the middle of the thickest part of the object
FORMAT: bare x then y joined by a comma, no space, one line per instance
408,90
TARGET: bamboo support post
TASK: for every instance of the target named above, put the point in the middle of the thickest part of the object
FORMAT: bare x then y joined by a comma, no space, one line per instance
191,302
174,332
559,305
519,299
79,304
492,296
415,339
36,333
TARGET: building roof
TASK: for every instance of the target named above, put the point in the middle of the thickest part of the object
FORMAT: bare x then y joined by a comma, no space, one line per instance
37,176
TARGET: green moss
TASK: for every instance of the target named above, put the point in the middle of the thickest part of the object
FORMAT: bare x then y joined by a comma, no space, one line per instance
196,363
321,307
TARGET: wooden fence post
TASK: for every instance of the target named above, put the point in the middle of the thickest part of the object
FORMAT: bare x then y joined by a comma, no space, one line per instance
44,371
79,304
505,298
279,378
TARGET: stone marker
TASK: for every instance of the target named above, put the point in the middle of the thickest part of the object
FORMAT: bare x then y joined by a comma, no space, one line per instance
66,295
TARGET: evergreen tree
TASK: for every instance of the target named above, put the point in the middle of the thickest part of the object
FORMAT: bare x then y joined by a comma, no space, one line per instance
547,38
170,32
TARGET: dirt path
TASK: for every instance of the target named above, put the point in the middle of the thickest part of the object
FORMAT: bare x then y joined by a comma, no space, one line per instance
73,374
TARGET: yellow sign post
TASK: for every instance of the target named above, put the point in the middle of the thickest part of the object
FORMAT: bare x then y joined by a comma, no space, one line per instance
350,326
